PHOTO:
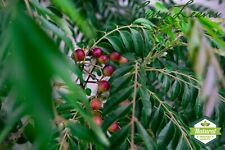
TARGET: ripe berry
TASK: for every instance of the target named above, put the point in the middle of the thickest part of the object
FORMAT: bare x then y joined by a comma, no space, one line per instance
97,52
115,56
98,120
123,60
103,59
114,127
103,86
78,55
108,70
96,104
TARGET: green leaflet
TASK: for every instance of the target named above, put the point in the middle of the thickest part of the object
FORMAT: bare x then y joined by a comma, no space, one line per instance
81,132
164,136
148,140
148,42
182,144
147,106
145,22
46,12
69,9
118,138
121,71
186,96
166,83
57,31
138,42
156,119
106,47
120,83
211,27
127,39
116,98
175,90
115,115
116,43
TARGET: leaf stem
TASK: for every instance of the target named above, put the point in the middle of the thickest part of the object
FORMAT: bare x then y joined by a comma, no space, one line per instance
62,143
133,108
89,76
28,7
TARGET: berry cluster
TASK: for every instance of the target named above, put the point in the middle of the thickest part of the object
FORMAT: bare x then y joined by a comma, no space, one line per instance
103,85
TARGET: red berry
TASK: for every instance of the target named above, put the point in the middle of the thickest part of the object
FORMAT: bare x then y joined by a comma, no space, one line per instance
123,60
114,127
78,55
103,86
97,52
108,70
96,104
103,59
115,56
98,120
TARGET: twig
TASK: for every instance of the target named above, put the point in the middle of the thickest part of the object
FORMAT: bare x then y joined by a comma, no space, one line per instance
89,76
28,8
62,143
134,103
93,65
20,131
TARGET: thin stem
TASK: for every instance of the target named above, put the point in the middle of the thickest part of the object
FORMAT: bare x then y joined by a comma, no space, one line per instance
93,65
90,146
28,7
62,143
134,103
89,76
92,82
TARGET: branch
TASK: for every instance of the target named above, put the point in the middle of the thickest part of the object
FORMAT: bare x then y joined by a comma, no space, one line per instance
133,109
28,8
63,144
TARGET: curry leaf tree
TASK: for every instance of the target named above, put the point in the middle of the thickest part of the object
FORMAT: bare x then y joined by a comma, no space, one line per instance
108,82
